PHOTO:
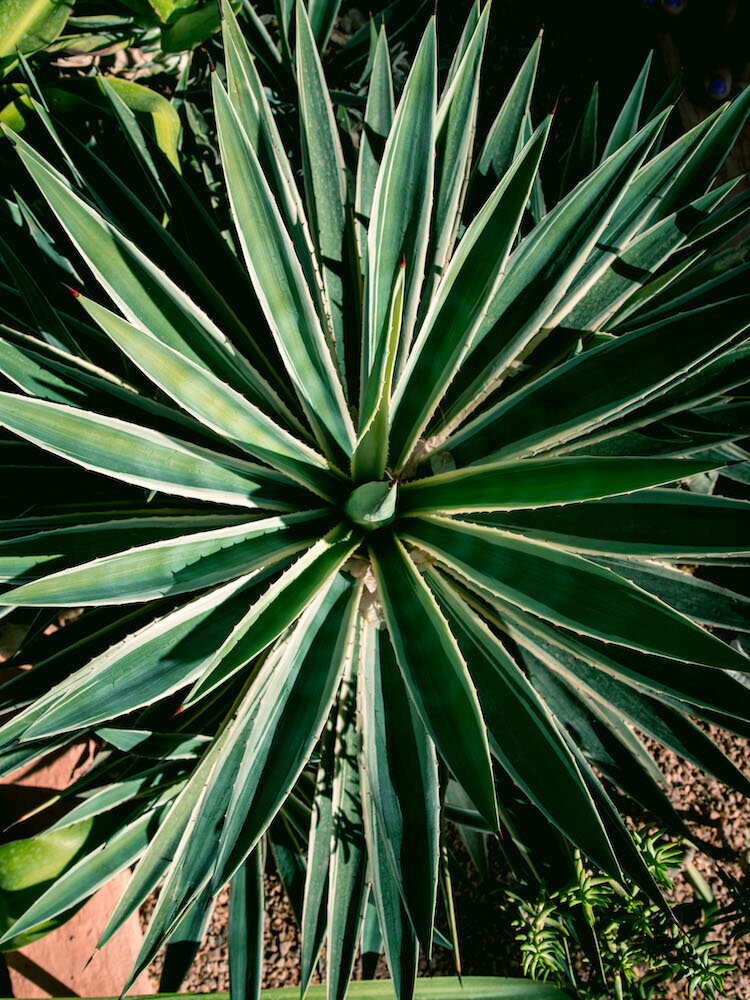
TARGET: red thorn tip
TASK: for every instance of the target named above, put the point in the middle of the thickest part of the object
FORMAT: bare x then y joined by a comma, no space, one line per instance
73,291
391,484
403,260
179,710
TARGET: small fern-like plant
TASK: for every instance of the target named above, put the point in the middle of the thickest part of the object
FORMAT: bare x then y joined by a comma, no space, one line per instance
394,501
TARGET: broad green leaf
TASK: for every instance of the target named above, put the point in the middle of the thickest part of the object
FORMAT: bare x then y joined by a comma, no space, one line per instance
401,206
143,100
28,25
280,606
539,482
347,875
215,403
185,563
582,393
434,672
436,988
280,283
135,454
399,762
325,178
35,860
461,301
523,733
88,874
500,145
658,524
246,917
567,590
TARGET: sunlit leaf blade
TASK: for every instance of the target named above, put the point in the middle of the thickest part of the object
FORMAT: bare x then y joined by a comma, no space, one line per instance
143,668
399,761
41,371
279,282
134,454
280,606
315,903
246,916
175,566
461,301
456,125
567,590
375,129
249,99
145,294
500,146
34,549
325,177
214,403
433,670
285,707
401,207
523,733
371,453
657,524
347,885
542,268
539,482
398,934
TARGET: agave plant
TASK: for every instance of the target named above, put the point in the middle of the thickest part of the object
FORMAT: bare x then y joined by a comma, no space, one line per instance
382,526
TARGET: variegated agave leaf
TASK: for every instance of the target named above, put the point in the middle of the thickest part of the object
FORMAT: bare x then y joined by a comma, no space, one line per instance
383,521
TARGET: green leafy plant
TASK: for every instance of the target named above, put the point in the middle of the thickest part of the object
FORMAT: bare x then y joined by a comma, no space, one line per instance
605,938
394,498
